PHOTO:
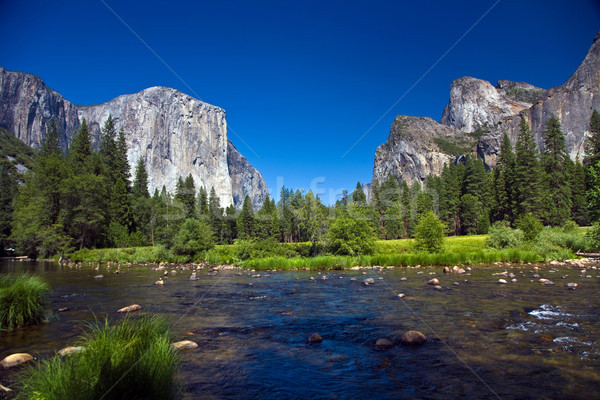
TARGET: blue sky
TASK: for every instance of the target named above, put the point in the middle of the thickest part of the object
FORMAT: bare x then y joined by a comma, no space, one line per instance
301,81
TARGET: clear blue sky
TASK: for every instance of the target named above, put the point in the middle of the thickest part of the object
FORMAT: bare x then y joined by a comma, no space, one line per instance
301,81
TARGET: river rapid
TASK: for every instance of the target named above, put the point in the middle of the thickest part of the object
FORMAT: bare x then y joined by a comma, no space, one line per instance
486,340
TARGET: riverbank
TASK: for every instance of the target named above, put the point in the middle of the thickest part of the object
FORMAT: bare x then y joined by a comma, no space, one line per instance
458,250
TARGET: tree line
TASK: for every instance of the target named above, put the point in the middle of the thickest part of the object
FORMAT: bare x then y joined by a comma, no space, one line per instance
86,198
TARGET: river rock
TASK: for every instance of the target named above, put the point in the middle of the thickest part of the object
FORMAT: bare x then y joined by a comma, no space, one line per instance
447,270
369,281
401,295
433,281
15,360
502,281
413,338
384,342
315,338
70,350
131,308
184,344
572,285
98,276
193,277
548,283
159,282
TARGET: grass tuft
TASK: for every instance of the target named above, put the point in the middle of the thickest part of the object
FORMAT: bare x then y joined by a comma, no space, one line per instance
131,360
23,301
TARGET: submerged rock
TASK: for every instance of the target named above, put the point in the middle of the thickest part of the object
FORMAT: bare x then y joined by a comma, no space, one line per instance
131,308
15,360
413,338
184,344
70,350
433,281
315,338
571,285
384,342
369,281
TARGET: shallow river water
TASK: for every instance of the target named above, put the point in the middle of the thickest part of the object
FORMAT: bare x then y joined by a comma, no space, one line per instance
520,340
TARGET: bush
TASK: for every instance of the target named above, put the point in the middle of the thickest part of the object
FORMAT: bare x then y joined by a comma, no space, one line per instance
502,236
553,241
23,301
255,249
593,237
131,360
348,236
430,233
530,226
193,237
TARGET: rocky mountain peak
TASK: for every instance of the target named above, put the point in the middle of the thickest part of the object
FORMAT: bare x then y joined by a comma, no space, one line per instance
176,134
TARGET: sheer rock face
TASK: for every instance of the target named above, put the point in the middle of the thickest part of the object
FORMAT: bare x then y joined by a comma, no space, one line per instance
475,102
27,106
174,133
572,102
413,148
411,151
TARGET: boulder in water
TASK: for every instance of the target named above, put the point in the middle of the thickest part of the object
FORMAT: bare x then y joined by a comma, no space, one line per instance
413,338
315,338
16,359
184,344
384,342
131,308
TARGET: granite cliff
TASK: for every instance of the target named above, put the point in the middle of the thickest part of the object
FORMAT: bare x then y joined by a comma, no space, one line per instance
478,114
174,133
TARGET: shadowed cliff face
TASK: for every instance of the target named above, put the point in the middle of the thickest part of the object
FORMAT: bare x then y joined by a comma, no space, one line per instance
176,134
476,103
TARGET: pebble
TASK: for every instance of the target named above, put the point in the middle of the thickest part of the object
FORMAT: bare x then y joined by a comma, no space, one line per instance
549,283
384,342
437,287
16,359
502,281
571,285
98,276
131,308
403,278
70,350
401,295
184,344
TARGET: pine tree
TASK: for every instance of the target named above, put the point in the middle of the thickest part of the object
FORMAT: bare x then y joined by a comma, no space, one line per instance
202,203
358,196
230,225
557,193
215,213
245,222
579,209
527,173
267,220
80,150
592,146
140,182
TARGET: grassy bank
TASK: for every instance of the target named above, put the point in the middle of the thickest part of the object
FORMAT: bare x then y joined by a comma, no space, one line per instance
131,360
23,301
457,250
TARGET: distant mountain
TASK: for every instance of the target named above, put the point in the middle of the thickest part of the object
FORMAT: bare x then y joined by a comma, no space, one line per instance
478,114
174,133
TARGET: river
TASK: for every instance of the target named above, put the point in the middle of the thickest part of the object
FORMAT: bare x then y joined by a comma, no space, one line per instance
487,340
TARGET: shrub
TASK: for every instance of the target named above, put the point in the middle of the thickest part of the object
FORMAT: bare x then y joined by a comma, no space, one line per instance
23,301
554,242
530,226
501,236
348,236
570,226
593,237
430,233
131,360
255,249
193,237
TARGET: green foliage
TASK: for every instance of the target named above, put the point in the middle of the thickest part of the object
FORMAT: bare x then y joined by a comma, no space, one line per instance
593,191
593,237
453,146
23,301
530,226
430,233
193,237
502,236
131,360
348,236
255,249
149,254
554,243
246,223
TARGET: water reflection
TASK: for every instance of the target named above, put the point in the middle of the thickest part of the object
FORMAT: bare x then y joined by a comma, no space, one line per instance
520,340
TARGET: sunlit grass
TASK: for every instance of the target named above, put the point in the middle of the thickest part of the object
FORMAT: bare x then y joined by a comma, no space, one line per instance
23,301
130,360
